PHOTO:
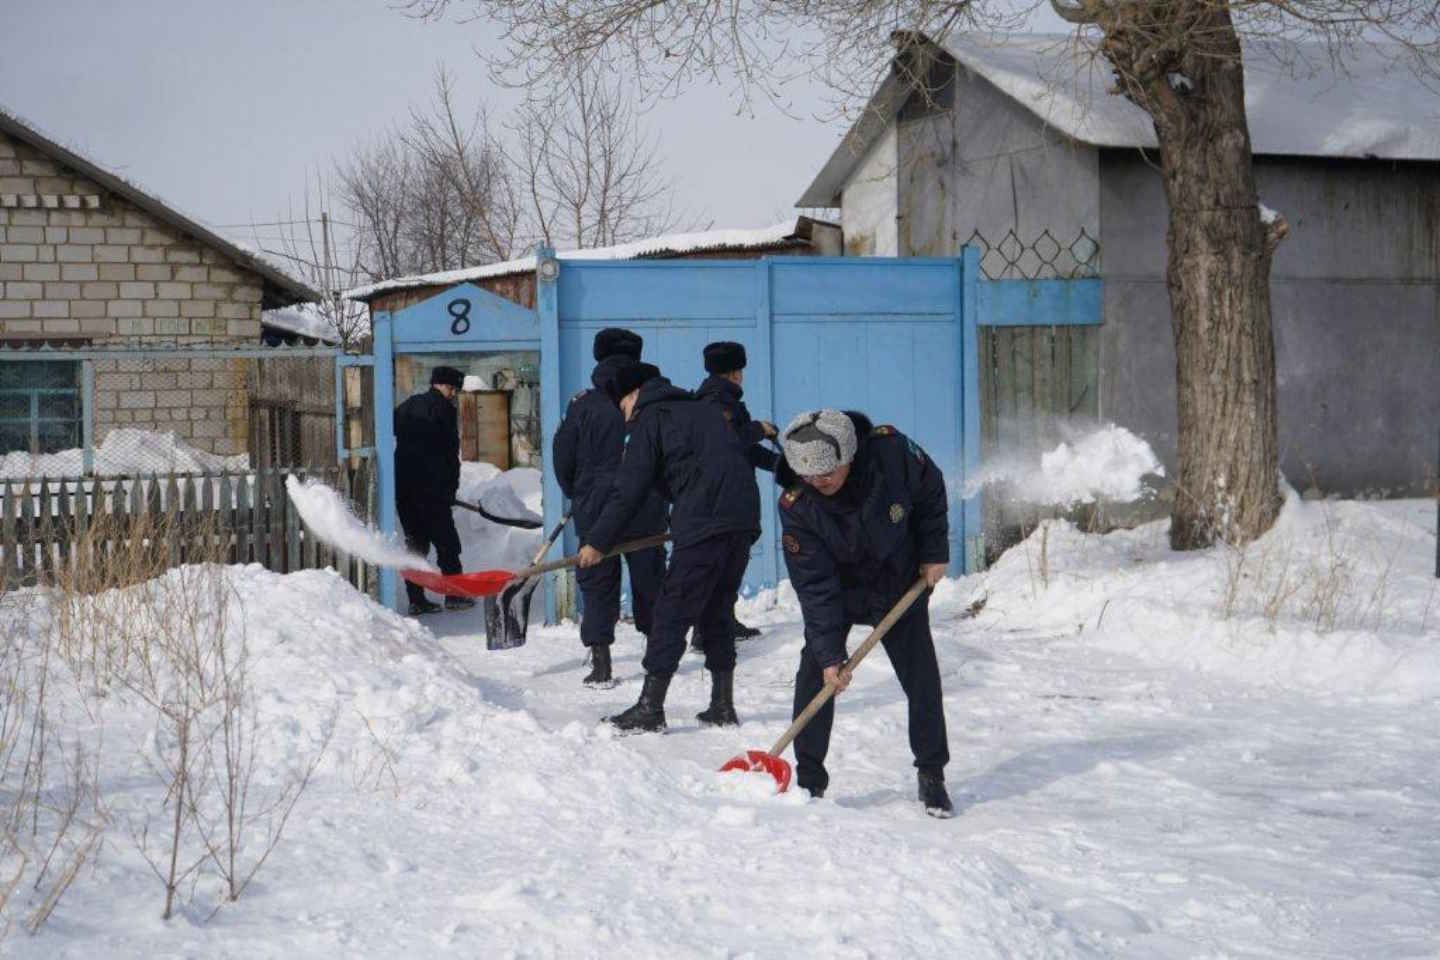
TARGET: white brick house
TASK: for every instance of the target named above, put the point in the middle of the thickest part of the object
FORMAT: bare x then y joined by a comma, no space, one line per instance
87,258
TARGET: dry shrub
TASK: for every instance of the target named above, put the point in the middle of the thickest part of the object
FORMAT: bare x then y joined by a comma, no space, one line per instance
142,604
1330,591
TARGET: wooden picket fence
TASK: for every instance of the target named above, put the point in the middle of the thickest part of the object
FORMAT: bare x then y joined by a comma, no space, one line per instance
234,518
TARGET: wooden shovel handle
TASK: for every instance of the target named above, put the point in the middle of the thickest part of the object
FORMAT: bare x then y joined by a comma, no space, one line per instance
561,564
828,691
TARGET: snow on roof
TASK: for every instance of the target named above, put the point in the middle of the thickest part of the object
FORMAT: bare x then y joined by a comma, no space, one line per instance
1373,108
1297,102
304,319
281,285
674,243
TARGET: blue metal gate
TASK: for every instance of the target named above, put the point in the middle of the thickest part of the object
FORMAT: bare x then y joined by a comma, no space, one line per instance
895,338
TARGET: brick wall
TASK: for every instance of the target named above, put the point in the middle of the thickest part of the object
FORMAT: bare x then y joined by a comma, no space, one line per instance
78,263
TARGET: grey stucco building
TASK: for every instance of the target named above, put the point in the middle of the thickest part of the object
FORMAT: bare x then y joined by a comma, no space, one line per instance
1017,137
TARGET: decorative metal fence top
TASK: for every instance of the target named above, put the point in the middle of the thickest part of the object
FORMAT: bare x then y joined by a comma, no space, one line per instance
1042,258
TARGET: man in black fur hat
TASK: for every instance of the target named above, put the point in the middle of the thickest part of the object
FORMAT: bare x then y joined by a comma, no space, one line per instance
725,364
586,452
427,476
681,446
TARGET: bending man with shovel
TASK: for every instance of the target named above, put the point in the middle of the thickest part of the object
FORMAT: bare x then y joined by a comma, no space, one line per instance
864,513
681,447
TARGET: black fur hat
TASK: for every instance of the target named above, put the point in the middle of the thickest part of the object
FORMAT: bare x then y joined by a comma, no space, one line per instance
615,340
724,356
632,376
448,376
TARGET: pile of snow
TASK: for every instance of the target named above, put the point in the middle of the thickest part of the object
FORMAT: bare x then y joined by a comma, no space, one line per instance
1109,463
125,451
1338,597
328,516
304,319
513,494
469,802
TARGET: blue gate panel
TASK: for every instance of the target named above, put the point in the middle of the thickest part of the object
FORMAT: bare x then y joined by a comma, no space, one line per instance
903,373
870,286
617,292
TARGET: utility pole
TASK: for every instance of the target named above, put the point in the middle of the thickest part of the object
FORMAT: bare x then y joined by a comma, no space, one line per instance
331,293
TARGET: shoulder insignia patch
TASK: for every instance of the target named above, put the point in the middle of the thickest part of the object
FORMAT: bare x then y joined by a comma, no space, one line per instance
790,543
885,431
897,513
788,498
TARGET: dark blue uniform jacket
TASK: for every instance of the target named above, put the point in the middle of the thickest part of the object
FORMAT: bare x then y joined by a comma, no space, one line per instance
586,453
427,449
748,432
681,447
852,555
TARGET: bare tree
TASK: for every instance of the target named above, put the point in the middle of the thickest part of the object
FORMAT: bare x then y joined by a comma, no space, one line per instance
432,194
376,183
467,182
573,168
1181,61
326,258
590,174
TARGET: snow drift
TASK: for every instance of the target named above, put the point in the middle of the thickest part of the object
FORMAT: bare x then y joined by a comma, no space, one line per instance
125,451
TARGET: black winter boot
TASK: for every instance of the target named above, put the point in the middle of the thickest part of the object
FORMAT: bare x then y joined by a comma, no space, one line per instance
743,632
648,714
599,674
722,701
933,795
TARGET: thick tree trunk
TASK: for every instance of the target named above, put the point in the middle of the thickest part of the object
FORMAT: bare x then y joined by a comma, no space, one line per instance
1218,272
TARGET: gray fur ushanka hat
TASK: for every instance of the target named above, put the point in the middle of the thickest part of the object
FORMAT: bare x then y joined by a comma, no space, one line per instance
818,441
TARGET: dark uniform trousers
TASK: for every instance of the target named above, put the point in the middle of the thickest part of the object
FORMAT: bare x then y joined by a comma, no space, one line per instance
600,593
911,650
427,521
699,591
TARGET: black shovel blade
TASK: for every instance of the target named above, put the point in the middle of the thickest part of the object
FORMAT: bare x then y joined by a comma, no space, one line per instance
508,616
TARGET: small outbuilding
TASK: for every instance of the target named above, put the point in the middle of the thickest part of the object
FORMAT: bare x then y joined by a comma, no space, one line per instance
1014,144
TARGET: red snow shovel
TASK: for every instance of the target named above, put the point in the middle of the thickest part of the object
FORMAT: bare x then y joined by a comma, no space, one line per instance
487,583
770,761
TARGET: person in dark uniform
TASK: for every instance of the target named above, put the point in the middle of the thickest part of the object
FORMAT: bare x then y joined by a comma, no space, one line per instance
586,452
863,516
725,364
682,447
427,476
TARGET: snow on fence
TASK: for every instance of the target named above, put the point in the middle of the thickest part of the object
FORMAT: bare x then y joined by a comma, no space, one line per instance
234,518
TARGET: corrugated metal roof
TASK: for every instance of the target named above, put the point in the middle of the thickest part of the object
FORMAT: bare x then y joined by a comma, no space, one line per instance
776,235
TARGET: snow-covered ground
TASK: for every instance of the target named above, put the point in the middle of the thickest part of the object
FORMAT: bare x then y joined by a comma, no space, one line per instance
1155,755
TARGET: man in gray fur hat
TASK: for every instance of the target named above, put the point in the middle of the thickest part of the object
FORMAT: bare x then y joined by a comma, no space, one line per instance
864,515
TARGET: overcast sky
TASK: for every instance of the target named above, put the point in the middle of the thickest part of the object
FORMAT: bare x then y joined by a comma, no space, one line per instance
223,107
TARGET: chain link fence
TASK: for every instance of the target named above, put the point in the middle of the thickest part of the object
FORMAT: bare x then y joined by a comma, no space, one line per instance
1043,257
108,412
